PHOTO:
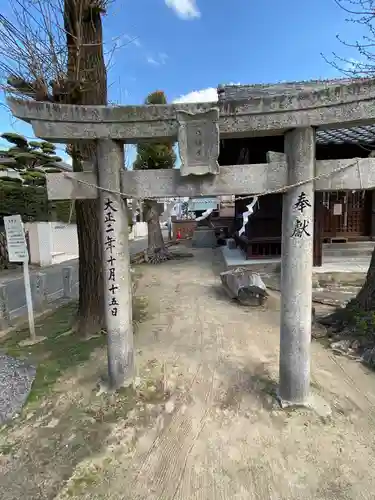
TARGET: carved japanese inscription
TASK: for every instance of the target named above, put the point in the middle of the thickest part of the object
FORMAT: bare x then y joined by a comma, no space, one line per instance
109,247
301,223
198,138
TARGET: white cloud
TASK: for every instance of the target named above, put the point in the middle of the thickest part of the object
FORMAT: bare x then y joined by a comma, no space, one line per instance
159,60
185,9
152,61
205,95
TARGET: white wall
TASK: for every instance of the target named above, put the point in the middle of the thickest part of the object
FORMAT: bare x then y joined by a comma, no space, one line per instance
139,230
10,173
40,243
64,238
52,242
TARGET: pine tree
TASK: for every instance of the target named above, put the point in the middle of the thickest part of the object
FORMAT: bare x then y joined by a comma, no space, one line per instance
32,159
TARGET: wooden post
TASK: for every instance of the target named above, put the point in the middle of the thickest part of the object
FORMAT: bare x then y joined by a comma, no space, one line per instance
318,227
296,269
372,223
116,265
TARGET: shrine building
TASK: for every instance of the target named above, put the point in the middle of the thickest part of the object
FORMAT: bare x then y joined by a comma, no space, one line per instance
340,216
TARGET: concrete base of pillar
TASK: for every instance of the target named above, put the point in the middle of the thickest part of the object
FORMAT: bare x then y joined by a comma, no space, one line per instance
103,386
314,403
204,238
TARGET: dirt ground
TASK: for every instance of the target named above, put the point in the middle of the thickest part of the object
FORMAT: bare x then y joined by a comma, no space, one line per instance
203,422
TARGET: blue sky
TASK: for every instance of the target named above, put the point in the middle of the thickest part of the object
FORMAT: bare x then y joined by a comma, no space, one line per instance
185,46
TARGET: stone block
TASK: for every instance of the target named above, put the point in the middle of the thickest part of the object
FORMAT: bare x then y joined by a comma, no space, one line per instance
272,156
39,291
204,237
67,275
199,142
231,244
245,286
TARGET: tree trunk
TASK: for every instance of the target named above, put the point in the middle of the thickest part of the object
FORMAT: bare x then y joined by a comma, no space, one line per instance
90,316
87,82
365,300
156,249
363,303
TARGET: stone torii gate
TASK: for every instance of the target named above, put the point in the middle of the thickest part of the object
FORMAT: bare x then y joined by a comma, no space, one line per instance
198,128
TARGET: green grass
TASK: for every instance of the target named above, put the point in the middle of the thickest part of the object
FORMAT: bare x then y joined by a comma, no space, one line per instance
60,350
6,449
83,421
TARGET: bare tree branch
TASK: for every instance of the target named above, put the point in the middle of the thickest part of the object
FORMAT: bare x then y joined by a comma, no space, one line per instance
362,14
34,52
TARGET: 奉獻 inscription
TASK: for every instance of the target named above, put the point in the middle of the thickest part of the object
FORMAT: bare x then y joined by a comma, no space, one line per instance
109,247
301,224
302,202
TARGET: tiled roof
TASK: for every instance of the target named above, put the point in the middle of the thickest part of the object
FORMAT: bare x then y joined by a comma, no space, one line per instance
363,134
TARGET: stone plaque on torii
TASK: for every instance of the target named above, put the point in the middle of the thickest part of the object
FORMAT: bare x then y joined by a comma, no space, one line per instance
199,142
197,128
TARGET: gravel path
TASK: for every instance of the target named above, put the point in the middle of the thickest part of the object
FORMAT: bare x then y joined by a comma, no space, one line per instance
16,378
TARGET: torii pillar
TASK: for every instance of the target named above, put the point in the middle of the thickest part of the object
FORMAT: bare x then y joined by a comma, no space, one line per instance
116,264
296,268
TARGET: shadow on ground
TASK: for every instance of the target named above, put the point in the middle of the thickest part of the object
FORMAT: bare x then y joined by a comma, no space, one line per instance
243,382
65,419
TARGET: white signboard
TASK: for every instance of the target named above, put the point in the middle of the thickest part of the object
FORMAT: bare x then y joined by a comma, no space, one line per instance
337,209
16,240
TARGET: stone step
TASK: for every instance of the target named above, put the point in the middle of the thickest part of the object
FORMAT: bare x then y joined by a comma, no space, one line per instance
362,248
348,253
57,254
359,245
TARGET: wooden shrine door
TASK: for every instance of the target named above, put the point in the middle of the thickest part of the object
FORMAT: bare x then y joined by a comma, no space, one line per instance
344,214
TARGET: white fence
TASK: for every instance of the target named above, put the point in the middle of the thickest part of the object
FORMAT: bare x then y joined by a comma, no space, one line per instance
55,242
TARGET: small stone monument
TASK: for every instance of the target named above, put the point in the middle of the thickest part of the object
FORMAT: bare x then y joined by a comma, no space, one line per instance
231,244
245,286
204,235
